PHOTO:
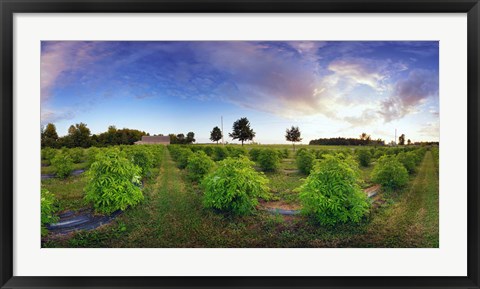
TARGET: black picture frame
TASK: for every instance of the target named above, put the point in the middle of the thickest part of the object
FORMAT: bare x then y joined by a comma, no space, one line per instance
9,7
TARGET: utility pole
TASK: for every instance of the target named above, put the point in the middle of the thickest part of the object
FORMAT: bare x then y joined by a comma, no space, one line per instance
223,143
395,137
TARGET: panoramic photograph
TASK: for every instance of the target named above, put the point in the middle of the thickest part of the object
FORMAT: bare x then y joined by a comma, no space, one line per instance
239,144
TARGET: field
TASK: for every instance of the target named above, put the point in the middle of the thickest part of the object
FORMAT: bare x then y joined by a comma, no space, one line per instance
173,211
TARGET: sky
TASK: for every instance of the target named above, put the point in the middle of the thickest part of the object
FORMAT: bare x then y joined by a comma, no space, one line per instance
327,89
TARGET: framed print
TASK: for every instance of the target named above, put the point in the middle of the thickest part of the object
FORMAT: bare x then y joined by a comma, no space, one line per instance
242,144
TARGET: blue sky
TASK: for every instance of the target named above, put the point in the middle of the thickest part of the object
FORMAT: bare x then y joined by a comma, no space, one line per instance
328,89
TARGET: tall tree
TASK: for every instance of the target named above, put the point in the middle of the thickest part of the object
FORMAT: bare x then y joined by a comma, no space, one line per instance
216,134
190,138
49,136
242,130
181,138
293,135
80,135
401,140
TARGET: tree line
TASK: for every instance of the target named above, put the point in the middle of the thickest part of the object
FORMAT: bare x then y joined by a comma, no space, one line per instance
79,135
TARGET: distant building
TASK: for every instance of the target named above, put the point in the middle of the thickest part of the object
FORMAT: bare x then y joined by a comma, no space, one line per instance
165,140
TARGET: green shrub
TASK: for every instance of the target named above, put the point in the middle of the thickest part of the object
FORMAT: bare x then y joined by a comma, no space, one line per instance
285,153
390,173
220,153
254,153
113,183
182,159
234,186
91,155
269,160
143,158
407,159
48,153
199,164
364,157
208,150
236,151
305,160
76,154
48,208
331,193
62,164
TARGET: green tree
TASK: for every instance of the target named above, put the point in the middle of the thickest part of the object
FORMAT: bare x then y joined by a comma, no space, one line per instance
216,134
293,135
190,138
242,130
401,140
79,135
49,136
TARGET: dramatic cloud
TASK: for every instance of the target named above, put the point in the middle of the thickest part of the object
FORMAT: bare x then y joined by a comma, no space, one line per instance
354,84
409,93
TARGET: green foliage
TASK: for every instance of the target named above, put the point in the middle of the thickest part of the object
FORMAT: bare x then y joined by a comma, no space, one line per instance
293,134
48,153
62,164
49,136
254,153
234,186
48,208
364,157
234,151
390,173
408,161
199,164
285,153
183,156
113,183
242,130
269,160
220,153
331,193
76,154
91,154
143,158
216,134
305,160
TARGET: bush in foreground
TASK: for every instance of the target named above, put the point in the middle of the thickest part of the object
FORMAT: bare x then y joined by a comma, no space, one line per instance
113,183
234,186
331,193
48,208
199,164
390,173
62,164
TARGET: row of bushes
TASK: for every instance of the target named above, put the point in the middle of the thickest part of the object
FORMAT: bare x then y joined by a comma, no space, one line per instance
330,194
113,180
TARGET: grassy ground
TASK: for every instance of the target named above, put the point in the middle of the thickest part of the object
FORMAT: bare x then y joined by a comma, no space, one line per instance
69,192
172,216
412,220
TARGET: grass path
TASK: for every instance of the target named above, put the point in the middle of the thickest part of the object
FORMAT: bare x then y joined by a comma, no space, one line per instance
413,220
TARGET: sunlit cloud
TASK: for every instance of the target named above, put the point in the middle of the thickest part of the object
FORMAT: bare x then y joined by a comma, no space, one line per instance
353,84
